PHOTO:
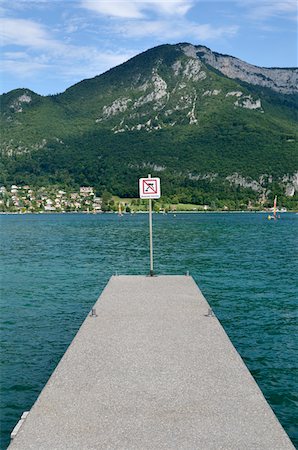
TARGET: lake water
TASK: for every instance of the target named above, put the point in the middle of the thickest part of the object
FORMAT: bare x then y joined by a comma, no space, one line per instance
53,268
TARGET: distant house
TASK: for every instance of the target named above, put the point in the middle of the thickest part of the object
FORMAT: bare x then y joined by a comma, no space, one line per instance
15,200
86,191
97,202
49,208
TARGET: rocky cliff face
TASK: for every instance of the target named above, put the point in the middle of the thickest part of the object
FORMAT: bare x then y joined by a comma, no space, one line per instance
263,185
174,94
278,79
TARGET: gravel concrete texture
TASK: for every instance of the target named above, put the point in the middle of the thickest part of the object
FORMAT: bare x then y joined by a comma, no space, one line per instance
152,370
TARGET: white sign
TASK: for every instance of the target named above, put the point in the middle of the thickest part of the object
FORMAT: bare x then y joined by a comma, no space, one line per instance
149,187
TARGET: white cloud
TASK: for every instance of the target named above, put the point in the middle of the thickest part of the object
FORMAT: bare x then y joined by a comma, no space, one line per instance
22,32
208,32
85,63
135,9
176,30
22,68
94,64
79,62
21,6
42,52
158,19
114,9
265,9
169,7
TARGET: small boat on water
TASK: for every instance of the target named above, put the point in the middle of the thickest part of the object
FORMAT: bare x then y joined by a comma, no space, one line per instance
274,216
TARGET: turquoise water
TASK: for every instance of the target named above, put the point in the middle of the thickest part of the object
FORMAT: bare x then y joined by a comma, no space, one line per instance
53,267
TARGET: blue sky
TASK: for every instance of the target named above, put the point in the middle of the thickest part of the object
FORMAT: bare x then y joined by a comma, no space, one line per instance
49,45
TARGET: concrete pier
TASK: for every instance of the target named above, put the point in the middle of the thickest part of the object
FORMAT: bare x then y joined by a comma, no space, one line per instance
152,368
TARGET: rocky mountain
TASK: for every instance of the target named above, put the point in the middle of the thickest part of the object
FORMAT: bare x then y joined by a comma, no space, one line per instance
215,128
278,79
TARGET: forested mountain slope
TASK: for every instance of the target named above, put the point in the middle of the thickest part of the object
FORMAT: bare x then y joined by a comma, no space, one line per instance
214,128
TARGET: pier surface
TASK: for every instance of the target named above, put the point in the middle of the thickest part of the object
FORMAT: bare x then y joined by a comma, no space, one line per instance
152,370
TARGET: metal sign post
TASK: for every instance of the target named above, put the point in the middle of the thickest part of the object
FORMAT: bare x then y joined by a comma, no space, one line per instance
151,273
150,188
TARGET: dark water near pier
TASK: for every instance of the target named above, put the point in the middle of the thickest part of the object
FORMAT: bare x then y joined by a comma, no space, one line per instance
53,267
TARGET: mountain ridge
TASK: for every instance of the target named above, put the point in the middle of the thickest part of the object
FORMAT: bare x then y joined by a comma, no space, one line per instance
195,119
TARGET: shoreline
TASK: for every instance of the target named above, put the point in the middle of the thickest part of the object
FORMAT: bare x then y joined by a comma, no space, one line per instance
51,213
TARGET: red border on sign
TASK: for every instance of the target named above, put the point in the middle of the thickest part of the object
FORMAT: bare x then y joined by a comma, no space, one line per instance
153,189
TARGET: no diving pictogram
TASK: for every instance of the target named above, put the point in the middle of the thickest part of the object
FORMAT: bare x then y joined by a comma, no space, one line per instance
149,187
